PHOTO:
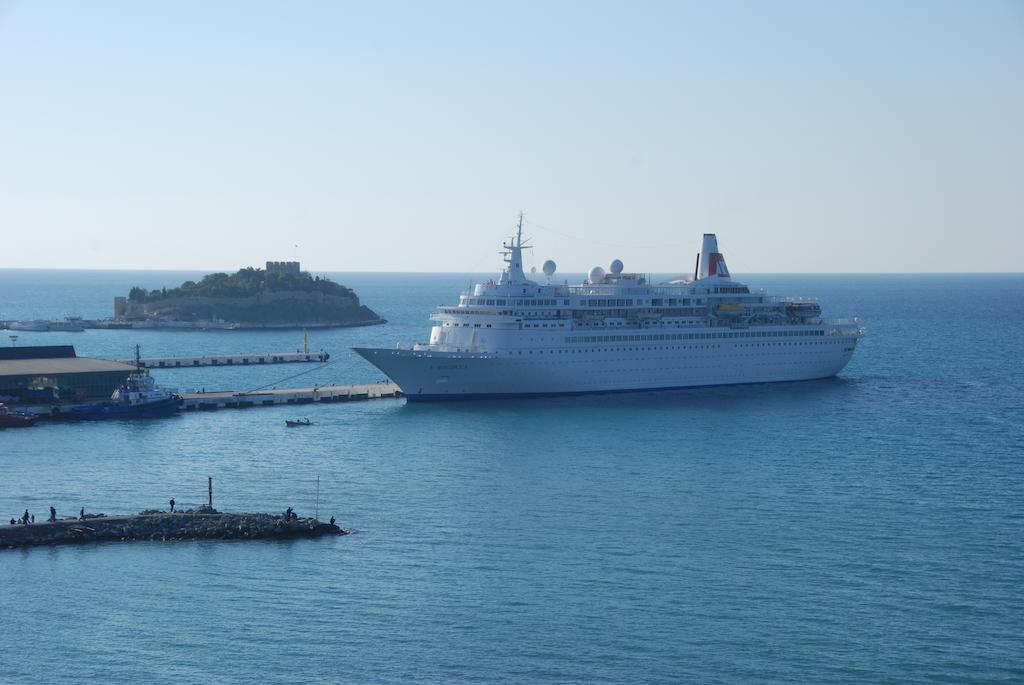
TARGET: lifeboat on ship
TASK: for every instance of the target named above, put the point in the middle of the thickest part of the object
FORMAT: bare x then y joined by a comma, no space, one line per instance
728,310
803,309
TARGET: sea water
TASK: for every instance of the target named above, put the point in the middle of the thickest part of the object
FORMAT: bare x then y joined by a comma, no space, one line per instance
866,528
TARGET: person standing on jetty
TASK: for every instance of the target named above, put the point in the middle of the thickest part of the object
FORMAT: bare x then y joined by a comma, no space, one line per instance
53,514
81,514
172,505
25,518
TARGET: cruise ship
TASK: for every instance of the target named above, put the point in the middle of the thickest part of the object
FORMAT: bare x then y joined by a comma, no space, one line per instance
615,332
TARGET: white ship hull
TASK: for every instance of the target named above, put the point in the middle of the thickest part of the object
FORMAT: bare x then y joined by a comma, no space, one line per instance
615,332
427,375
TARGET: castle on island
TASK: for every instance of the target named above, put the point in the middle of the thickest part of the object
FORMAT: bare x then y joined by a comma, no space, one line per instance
283,268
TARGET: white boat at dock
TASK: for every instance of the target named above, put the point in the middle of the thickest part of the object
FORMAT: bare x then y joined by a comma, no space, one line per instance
71,324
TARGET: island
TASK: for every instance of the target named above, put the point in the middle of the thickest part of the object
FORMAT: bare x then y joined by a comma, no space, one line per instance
279,296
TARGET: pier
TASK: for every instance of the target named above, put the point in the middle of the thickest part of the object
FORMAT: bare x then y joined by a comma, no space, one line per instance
250,359
228,399
204,523
236,399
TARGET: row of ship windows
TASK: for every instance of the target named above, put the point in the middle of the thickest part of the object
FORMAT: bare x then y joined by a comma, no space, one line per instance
525,325
659,336
502,302
690,336
608,303
675,347
562,325
589,302
581,313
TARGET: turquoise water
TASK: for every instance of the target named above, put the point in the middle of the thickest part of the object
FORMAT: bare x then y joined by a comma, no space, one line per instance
867,528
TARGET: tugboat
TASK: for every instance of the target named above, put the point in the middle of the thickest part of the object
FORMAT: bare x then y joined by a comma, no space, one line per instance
137,398
15,419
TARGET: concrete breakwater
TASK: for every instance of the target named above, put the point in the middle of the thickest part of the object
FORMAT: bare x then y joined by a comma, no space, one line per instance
229,399
204,523
233,399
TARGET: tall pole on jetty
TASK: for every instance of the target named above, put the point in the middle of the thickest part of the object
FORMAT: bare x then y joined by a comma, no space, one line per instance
209,490
317,515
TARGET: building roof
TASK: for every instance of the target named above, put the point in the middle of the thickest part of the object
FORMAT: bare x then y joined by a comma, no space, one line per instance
60,366
37,352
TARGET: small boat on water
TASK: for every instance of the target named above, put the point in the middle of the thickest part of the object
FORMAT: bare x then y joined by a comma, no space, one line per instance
15,419
137,398
300,422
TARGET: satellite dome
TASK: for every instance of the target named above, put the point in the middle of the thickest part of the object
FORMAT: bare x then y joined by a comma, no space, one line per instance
596,275
549,268
616,266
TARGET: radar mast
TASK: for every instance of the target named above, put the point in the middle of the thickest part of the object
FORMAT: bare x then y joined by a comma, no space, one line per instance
513,254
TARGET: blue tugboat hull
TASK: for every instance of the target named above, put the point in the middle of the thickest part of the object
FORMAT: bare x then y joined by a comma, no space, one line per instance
105,410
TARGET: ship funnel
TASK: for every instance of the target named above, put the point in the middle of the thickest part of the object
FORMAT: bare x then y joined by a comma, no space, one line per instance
712,263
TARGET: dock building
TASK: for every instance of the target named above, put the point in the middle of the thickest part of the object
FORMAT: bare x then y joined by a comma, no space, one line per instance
30,374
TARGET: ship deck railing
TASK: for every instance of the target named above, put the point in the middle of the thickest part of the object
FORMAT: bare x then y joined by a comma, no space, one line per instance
427,347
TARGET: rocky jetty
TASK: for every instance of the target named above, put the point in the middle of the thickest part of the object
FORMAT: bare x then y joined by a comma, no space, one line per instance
204,523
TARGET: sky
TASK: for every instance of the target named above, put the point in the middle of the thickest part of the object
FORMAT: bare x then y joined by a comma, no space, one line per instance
860,136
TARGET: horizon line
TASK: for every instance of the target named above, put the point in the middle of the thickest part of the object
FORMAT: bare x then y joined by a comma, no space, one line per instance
574,273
